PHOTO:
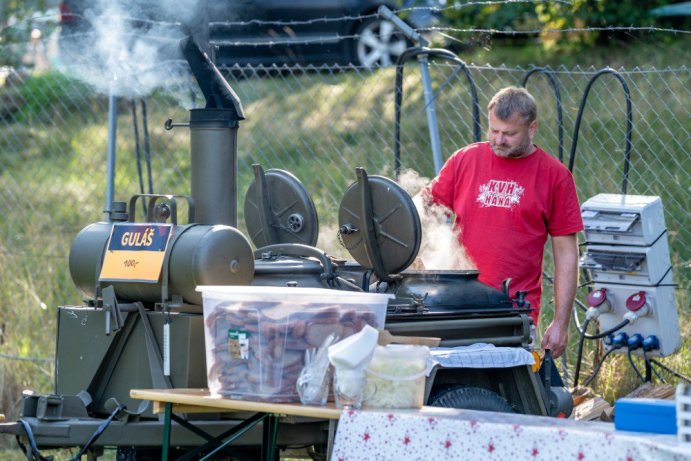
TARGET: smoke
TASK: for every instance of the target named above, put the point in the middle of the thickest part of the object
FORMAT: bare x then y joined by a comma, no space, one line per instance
130,48
439,248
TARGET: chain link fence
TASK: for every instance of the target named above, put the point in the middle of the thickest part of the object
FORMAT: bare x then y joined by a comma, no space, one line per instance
321,123
318,123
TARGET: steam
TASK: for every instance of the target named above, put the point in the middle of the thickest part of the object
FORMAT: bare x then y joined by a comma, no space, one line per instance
439,248
130,48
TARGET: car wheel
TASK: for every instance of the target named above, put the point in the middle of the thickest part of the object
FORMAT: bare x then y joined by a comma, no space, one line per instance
378,43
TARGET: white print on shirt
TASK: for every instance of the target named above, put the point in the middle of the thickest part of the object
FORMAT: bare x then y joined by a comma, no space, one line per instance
504,194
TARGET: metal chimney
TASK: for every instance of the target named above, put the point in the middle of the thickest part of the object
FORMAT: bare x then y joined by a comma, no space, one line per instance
213,137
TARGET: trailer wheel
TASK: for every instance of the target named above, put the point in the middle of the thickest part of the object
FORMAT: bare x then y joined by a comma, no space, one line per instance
470,398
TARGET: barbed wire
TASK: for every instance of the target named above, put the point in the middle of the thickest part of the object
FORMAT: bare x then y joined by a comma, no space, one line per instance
183,64
458,6
305,22
335,38
435,9
363,17
338,37
442,31
551,30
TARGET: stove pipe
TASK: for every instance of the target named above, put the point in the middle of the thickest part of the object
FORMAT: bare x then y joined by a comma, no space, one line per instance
213,139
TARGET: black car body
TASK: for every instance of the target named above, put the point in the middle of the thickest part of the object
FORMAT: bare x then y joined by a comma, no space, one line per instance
313,32
266,32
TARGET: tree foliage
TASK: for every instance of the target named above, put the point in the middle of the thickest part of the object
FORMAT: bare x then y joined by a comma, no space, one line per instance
551,16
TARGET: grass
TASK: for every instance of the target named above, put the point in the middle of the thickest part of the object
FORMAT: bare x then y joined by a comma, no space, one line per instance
319,127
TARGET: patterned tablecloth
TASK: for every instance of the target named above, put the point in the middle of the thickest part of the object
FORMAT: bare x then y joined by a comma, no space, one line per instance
434,434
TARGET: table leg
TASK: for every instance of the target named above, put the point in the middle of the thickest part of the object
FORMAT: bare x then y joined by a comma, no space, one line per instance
330,438
166,432
270,433
233,434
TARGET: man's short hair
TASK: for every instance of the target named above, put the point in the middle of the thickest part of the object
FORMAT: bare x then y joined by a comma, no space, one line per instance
513,100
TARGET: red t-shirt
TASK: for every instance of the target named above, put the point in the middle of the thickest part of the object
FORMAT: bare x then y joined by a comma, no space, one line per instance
505,208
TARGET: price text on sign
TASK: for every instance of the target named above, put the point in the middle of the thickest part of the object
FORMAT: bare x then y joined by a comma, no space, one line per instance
135,252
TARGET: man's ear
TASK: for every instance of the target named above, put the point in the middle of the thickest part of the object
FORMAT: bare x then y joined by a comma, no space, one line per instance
532,129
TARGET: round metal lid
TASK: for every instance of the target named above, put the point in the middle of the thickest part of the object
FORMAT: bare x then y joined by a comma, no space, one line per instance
278,209
379,225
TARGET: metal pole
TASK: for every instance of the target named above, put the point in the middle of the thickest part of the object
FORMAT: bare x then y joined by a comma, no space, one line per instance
432,124
419,40
165,448
110,159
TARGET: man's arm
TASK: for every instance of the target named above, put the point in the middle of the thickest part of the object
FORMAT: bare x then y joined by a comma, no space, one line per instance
565,252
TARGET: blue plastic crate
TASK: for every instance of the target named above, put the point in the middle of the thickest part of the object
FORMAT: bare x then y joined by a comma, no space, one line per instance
646,415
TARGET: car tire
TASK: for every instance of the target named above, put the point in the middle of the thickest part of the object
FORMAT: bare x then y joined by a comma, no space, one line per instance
377,42
470,398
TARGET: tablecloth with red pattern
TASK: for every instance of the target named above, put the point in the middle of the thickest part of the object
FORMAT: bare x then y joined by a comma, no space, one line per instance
435,434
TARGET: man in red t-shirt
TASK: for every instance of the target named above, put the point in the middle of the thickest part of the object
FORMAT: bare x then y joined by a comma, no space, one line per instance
508,195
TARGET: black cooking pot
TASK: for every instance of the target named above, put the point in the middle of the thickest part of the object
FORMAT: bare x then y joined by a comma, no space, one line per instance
446,291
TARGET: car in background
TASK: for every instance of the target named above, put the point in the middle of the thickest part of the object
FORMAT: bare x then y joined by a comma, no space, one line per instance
268,32
302,32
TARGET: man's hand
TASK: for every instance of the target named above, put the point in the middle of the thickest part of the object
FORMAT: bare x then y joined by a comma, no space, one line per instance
555,339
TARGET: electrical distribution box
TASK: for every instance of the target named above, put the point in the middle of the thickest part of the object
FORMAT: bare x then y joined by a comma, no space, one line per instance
623,219
627,257
629,264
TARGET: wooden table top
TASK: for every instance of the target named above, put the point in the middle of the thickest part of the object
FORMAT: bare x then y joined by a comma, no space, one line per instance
201,400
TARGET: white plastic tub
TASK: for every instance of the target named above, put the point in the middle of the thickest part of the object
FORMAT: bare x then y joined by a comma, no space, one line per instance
396,377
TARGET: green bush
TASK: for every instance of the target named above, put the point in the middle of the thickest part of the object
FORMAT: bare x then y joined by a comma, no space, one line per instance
51,90
555,15
589,13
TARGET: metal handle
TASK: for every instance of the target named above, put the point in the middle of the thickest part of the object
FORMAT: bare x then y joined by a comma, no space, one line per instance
299,250
151,209
169,125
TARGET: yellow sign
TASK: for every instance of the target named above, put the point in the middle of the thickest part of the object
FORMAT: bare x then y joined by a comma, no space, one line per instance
135,252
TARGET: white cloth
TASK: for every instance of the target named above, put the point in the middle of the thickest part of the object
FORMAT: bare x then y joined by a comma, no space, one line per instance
441,434
479,355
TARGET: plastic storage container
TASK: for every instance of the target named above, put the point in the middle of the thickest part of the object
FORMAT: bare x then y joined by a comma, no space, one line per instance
646,415
396,377
256,337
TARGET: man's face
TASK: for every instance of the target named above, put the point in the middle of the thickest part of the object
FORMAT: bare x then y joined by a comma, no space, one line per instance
511,138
